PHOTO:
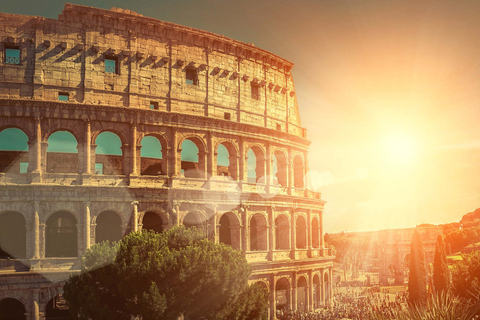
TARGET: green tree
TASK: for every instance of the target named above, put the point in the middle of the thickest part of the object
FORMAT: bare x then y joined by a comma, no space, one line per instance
162,276
466,275
441,277
417,283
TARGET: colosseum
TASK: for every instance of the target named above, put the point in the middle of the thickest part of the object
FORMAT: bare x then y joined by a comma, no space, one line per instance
112,122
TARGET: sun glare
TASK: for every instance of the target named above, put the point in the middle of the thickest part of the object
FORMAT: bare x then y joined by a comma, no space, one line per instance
400,149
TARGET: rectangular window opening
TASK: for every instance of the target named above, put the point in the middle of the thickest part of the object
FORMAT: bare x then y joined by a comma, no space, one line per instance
255,91
279,127
111,64
98,168
192,76
23,167
227,116
63,96
12,55
153,105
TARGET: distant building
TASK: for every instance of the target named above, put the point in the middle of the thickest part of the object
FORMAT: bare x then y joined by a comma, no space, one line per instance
111,122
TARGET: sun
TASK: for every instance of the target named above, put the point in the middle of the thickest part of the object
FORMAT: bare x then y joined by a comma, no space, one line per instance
400,148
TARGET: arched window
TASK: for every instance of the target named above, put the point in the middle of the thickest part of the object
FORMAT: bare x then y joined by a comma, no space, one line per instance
280,168
282,292
298,174
225,167
12,236
108,228
282,233
230,230
258,233
152,221
317,295
108,154
255,165
302,294
151,157
62,153
61,235
190,160
57,309
12,309
13,151
301,233
315,233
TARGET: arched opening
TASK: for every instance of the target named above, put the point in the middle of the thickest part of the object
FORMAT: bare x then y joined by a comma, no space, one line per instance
301,233
57,309
282,293
298,174
326,283
280,168
192,164
255,164
13,151
12,236
229,231
151,163
302,294
258,233
12,309
315,233
62,153
193,220
61,235
317,295
108,228
108,154
227,160
152,221
282,233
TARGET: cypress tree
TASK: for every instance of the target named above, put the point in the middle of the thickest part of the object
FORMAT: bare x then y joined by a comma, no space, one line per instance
417,282
441,278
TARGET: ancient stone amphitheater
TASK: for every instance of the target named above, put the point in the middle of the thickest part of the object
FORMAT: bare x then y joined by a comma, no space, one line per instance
112,122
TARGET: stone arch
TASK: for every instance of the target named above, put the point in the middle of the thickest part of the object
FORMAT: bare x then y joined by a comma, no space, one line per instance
62,152
302,294
298,172
315,233
263,284
316,291
13,235
19,123
12,309
192,157
229,231
228,166
108,153
61,235
282,293
258,232
195,219
108,227
14,150
280,168
301,232
255,163
282,232
98,128
154,221
57,308
152,156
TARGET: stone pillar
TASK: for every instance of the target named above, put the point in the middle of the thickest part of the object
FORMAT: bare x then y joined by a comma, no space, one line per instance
322,287
135,216
245,231
241,165
268,167
173,153
134,165
88,152
309,232
87,223
210,155
290,182
35,315
36,173
271,232
294,291
272,298
293,232
41,240
310,291
320,222
36,231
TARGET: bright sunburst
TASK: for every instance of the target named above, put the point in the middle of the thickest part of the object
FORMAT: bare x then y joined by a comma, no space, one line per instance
400,148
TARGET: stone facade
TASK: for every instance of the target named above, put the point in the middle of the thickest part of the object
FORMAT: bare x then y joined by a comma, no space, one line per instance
97,73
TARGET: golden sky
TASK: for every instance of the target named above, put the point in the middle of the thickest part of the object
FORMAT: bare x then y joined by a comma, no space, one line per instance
388,90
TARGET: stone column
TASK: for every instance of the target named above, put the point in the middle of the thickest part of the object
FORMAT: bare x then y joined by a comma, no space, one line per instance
36,230
322,287
309,233
35,304
241,165
310,291
294,291
210,155
135,216
87,223
173,153
320,222
245,231
293,232
41,240
134,169
268,168
88,152
272,297
289,171
36,173
271,232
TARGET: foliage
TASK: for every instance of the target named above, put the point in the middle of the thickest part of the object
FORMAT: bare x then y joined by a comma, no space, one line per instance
442,306
466,275
252,303
164,276
417,284
441,278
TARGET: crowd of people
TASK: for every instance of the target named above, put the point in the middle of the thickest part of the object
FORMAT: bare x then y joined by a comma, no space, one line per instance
352,303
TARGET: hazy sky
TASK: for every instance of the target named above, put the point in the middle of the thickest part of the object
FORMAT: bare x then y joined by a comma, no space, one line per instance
389,92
